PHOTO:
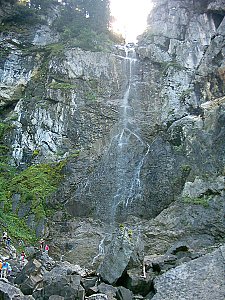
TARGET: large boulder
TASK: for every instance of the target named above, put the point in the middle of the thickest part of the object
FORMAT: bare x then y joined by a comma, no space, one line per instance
202,279
30,278
122,251
10,292
64,281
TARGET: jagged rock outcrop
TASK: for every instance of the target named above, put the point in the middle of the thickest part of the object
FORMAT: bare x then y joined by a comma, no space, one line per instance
30,277
200,279
122,251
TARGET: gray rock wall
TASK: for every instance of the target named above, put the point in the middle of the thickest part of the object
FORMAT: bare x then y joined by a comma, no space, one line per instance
143,136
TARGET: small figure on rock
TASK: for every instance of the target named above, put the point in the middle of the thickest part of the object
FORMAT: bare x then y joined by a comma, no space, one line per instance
41,244
0,267
46,249
4,237
22,259
5,267
8,241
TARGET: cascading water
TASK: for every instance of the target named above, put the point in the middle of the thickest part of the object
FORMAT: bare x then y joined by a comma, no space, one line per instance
114,189
128,162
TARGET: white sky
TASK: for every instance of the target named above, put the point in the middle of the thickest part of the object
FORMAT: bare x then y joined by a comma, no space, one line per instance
131,17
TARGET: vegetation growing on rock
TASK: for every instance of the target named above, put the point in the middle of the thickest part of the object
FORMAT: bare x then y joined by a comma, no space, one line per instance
33,185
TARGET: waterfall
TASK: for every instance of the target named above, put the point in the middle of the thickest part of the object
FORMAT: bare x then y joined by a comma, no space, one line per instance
114,189
101,251
128,163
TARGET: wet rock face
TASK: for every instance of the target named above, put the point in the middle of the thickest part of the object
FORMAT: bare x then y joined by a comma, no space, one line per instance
169,124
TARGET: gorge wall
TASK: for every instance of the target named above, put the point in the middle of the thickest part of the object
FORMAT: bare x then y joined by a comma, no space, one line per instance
141,134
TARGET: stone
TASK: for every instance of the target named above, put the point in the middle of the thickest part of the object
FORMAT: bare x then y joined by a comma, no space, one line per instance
201,187
202,278
32,267
117,257
30,278
108,290
56,297
57,282
8,291
138,283
124,294
89,282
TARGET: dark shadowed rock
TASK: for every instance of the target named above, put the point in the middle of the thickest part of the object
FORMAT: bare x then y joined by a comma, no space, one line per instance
124,294
30,277
137,283
89,282
57,282
108,290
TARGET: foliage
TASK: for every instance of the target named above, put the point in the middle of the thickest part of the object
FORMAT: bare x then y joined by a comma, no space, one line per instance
35,184
16,227
81,23
23,15
2,2
166,66
186,94
35,153
42,4
92,41
204,200
4,128
79,14
90,96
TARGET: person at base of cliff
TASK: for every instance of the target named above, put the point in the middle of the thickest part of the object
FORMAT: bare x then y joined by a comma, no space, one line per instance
8,241
46,249
0,267
22,259
4,237
5,267
41,244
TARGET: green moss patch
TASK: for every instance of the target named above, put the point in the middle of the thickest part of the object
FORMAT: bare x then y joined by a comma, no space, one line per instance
204,201
35,184
16,227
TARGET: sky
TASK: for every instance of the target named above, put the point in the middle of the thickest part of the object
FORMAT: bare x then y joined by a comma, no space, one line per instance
131,17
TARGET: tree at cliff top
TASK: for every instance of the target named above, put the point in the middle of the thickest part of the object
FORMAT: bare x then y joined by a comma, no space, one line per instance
76,18
76,14
79,14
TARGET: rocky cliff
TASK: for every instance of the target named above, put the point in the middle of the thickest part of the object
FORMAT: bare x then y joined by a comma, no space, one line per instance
140,132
